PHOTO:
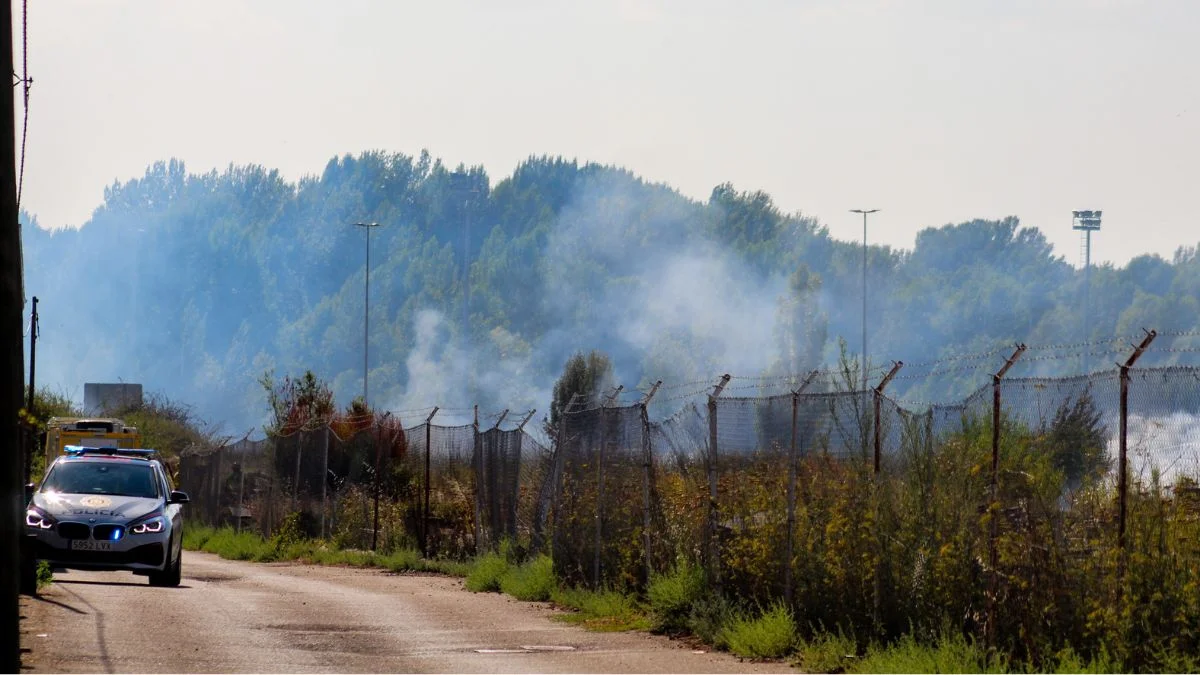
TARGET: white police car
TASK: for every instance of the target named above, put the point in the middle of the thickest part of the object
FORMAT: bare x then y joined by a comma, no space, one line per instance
108,509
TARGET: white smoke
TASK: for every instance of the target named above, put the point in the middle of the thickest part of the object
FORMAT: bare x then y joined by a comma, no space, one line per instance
495,375
1168,443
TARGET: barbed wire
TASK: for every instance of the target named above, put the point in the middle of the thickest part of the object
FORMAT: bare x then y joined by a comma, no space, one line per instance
960,357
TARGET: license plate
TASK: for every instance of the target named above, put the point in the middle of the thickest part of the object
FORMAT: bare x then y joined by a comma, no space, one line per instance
89,545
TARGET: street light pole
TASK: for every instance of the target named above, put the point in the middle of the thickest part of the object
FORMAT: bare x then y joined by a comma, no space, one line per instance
864,213
1086,222
366,304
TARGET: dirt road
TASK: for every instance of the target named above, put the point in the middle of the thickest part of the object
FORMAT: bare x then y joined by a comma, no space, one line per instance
245,617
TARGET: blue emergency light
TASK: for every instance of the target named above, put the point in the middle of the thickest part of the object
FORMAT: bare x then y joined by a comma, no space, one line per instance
82,450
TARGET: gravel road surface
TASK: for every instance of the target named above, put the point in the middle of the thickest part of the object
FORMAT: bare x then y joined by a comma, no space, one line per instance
245,617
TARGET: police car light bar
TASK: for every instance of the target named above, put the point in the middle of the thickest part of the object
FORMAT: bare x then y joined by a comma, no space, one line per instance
81,450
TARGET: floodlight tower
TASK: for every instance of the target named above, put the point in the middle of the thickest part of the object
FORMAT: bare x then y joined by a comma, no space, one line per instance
1086,222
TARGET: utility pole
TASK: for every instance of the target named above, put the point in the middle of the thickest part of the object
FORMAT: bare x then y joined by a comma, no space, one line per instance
366,306
33,335
865,213
11,369
31,437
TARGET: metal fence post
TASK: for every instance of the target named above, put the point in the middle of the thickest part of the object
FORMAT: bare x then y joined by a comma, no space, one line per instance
378,481
425,511
296,484
491,459
324,480
877,395
558,458
241,502
599,514
1123,462
477,461
647,461
994,496
215,508
877,582
793,458
711,546
516,469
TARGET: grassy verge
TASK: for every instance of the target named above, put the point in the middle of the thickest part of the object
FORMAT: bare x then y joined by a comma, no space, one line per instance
676,602
231,545
952,653
604,611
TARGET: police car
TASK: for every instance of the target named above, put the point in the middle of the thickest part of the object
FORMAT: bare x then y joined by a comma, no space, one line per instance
108,509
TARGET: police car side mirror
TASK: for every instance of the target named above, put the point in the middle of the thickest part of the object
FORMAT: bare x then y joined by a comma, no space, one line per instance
178,497
29,489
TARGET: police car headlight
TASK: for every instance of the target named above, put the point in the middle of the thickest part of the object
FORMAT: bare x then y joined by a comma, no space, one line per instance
151,526
35,518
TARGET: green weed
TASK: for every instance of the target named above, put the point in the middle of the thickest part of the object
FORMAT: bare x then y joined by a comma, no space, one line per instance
532,581
603,611
1068,661
672,595
45,574
826,652
769,636
486,572
952,653
708,615
195,535
236,545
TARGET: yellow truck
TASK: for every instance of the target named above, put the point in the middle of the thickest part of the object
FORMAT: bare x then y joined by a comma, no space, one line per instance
94,432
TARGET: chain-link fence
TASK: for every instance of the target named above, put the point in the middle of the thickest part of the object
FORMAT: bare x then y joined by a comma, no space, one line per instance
445,490
857,509
1006,511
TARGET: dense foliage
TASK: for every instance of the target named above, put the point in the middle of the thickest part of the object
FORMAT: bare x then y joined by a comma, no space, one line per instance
480,290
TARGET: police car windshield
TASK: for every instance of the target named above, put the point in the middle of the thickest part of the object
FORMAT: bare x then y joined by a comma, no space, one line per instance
101,478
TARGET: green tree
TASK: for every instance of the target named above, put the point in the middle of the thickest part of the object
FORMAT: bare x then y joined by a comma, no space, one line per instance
802,327
1077,438
586,376
297,403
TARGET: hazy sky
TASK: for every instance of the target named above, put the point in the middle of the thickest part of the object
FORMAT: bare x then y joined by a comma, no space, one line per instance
934,111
